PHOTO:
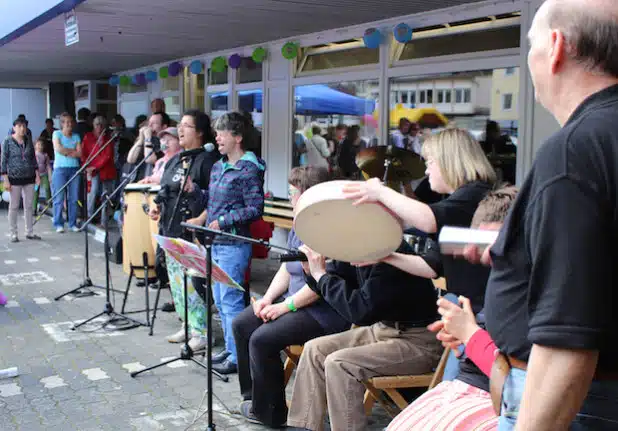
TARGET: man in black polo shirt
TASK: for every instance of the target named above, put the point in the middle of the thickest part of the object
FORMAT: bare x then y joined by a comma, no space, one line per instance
550,296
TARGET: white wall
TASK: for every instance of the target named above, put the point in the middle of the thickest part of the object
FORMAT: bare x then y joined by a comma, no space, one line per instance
30,102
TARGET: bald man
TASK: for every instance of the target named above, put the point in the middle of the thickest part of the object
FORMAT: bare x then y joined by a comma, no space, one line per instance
551,294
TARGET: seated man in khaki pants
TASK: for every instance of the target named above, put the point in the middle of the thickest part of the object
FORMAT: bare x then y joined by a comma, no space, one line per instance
396,308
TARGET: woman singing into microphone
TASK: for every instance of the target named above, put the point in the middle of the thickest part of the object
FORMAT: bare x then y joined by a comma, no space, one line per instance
195,135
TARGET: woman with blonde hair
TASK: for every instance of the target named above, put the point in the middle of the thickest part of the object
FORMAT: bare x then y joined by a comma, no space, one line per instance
457,167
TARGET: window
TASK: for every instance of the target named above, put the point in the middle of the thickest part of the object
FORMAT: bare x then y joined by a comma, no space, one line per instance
335,55
467,95
482,34
413,97
509,71
171,83
422,97
325,106
216,78
194,90
250,101
218,104
447,98
404,97
458,95
440,96
172,107
507,102
430,96
249,71
81,92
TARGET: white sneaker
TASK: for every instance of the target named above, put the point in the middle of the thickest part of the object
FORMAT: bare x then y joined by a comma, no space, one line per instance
198,343
59,230
178,337
75,229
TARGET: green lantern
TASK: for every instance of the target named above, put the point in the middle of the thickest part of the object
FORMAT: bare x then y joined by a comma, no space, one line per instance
289,51
218,64
125,80
259,55
164,72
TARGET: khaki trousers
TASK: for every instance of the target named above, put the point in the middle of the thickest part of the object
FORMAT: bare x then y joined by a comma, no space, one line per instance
17,192
332,368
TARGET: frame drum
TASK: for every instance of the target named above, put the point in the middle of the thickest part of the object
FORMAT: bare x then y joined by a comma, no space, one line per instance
154,224
329,224
136,237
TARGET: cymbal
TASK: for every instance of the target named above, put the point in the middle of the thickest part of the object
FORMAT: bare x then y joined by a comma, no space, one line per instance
405,165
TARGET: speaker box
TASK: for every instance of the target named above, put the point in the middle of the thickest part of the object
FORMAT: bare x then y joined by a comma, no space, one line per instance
115,247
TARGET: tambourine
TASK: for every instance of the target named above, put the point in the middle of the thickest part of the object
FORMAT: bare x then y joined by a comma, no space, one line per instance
331,225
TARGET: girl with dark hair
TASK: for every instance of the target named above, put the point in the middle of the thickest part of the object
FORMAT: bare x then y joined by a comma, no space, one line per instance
194,131
234,199
290,313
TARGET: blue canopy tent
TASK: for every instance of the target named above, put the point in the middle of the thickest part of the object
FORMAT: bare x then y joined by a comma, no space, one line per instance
318,99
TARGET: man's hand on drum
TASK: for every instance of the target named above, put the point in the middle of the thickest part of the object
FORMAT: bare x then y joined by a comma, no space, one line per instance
274,311
316,263
364,191
154,212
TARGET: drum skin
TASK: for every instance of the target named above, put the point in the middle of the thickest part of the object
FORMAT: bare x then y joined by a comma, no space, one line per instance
331,225
136,237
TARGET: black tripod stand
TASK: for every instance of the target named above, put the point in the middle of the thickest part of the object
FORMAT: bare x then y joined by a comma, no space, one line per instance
108,308
87,282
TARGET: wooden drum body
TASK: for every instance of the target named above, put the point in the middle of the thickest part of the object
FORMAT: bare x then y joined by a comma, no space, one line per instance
136,237
154,224
332,226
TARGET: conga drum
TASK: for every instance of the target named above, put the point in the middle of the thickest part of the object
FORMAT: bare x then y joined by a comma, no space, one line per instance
154,224
136,237
331,225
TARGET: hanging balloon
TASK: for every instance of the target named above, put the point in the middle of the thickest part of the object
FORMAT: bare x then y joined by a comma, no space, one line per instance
196,67
134,80
175,68
114,80
140,78
235,61
259,55
125,80
218,64
402,33
163,72
372,38
151,76
289,51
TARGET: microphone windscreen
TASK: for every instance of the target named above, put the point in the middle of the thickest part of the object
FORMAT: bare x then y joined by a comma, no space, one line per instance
209,147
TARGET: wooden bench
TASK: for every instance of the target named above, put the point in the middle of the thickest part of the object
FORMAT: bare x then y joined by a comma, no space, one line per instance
278,212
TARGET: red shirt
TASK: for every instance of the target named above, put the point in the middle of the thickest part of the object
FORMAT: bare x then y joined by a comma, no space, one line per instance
104,162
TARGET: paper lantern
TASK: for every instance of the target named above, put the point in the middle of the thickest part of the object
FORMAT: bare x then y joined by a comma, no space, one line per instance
125,80
402,33
235,61
289,51
259,55
372,38
114,80
218,64
196,67
151,76
174,68
140,79
164,72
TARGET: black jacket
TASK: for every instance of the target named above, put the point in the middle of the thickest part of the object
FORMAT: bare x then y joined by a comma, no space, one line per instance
381,292
18,161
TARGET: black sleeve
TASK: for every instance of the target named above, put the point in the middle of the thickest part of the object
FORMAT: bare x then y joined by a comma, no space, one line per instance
432,256
570,238
361,305
456,210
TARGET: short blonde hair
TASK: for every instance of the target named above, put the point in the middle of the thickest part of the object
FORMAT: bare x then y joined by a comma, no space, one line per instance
460,158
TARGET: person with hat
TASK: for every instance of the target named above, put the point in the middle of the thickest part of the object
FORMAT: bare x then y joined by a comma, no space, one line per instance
170,146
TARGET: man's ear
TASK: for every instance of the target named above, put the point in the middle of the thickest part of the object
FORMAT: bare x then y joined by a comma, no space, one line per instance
557,51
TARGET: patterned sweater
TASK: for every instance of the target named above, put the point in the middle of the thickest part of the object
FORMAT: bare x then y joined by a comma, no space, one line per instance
18,161
235,195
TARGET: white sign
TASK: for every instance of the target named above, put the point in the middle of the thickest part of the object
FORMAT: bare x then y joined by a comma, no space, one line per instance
71,30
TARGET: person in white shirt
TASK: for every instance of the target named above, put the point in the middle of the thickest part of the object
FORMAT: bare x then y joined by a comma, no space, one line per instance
317,149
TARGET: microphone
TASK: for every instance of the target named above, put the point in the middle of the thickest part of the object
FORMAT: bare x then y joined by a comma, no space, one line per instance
209,147
293,257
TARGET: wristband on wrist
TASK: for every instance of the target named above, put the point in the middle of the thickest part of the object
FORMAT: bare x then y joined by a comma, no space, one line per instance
290,303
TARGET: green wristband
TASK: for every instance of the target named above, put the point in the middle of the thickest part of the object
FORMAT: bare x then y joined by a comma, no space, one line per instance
290,304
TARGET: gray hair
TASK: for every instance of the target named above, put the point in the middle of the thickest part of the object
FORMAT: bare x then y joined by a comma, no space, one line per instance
590,31
235,123
99,119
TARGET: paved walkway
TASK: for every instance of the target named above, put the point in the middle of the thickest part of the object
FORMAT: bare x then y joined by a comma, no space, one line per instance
79,380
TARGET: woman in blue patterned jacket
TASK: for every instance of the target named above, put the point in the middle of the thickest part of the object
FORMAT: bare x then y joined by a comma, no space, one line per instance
235,198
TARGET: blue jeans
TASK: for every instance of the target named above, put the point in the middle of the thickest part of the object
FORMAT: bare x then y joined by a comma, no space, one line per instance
598,413
60,177
234,260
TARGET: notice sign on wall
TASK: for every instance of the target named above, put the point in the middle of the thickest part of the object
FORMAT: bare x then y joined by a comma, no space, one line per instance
71,30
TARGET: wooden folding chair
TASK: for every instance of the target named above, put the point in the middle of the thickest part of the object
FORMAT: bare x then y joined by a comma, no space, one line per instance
390,386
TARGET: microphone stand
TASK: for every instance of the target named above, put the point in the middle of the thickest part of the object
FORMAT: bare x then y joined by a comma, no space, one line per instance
87,280
108,308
